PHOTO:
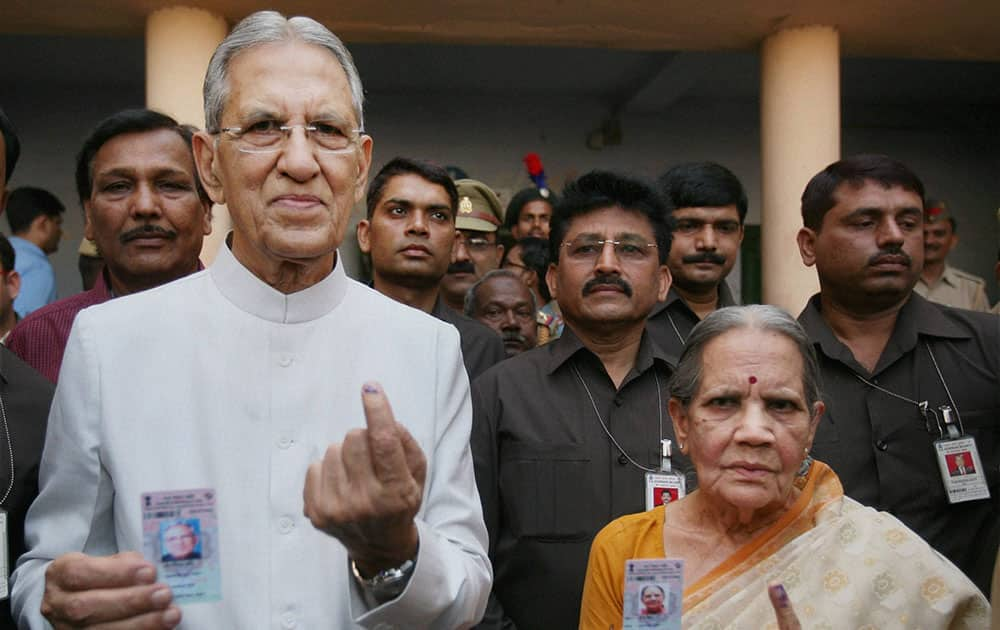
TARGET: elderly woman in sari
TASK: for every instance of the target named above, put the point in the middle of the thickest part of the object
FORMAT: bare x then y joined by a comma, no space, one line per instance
769,532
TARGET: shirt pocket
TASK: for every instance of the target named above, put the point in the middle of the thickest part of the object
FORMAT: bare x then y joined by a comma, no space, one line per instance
545,490
982,425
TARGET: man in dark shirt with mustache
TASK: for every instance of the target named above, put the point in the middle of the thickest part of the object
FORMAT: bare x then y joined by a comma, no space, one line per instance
145,208
890,361
708,206
409,233
581,416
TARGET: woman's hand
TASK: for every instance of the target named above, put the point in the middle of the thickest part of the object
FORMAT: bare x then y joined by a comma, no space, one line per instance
783,608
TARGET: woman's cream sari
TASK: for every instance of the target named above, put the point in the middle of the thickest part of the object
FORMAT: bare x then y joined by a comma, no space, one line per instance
844,566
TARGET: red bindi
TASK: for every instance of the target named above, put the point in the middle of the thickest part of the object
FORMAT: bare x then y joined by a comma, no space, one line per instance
753,379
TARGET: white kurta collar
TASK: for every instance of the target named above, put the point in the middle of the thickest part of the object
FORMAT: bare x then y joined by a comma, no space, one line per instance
251,294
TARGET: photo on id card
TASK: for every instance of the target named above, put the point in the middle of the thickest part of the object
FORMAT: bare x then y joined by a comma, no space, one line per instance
181,537
653,592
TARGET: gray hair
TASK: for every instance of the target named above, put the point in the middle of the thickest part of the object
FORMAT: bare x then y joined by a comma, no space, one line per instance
265,27
761,317
470,295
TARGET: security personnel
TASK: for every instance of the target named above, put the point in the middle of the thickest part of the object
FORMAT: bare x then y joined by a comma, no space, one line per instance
477,249
940,282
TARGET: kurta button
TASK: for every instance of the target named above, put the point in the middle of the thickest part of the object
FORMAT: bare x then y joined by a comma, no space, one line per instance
285,361
622,459
285,524
881,445
288,620
618,401
284,442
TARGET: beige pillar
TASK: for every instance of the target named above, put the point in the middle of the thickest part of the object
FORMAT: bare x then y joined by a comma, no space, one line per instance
800,135
179,43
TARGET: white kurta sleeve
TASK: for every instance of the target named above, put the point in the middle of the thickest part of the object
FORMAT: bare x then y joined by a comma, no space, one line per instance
451,582
73,511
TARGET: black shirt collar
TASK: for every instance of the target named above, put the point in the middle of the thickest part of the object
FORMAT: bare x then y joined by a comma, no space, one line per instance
916,318
725,299
568,345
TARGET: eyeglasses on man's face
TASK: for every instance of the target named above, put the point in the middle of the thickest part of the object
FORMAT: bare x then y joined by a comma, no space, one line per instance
476,244
269,136
587,248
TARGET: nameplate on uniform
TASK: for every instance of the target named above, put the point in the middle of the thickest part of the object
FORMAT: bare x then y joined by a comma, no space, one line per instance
180,535
4,579
663,487
653,592
961,469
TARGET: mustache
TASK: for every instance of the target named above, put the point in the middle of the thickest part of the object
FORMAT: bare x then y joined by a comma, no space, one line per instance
893,252
462,266
146,230
709,257
607,280
514,335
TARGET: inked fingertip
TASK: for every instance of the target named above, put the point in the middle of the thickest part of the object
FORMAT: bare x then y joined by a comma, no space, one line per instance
370,388
779,593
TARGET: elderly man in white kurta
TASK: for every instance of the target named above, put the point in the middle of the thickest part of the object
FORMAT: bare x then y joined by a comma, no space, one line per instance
267,379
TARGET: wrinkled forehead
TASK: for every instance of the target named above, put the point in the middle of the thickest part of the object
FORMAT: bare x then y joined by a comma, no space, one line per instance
504,288
156,150
288,79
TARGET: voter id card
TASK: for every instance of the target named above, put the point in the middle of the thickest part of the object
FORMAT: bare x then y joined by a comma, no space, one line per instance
654,589
180,535
961,470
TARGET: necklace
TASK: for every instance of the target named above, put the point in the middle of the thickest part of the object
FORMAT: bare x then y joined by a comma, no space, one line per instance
593,403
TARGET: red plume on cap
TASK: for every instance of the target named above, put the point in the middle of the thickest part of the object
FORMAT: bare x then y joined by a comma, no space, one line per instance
535,170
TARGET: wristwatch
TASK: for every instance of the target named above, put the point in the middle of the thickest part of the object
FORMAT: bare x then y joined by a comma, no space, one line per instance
388,583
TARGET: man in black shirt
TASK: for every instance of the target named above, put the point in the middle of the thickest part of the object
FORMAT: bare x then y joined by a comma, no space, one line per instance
708,206
409,234
885,352
563,434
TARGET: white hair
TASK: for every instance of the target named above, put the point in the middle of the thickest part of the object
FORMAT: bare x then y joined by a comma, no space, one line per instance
265,27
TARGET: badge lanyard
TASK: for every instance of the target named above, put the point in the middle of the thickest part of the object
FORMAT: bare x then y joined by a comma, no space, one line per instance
957,455
4,560
674,326
662,485
659,409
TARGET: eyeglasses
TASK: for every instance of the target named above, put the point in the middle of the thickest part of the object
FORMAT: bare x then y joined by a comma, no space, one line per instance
587,249
267,136
475,244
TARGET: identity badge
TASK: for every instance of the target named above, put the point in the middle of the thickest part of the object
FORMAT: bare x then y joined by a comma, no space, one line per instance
663,487
4,560
180,535
961,470
653,593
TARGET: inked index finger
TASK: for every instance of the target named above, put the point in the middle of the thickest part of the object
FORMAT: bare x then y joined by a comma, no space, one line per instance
384,445
80,572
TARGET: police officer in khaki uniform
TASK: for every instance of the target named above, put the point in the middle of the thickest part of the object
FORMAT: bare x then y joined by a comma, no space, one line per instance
477,249
940,282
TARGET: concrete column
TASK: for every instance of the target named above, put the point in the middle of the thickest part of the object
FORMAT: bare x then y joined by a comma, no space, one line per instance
800,135
179,43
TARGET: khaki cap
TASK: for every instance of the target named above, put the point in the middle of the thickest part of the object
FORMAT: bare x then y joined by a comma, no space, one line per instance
479,208
935,211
